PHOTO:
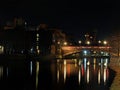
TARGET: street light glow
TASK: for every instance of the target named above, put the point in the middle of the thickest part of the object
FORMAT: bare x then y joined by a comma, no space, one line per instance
88,42
99,41
104,42
79,42
65,43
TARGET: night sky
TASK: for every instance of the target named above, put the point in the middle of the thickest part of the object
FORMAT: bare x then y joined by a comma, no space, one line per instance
75,17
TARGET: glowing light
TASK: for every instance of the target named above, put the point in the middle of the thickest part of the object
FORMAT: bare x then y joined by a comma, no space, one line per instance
99,41
79,76
75,62
58,42
88,75
104,42
65,62
99,76
104,76
85,52
65,73
79,42
37,35
37,73
88,42
31,68
94,60
65,43
88,63
37,47
79,63
58,75
38,51
1,49
37,39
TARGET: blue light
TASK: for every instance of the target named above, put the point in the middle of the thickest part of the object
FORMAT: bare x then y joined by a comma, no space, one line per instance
85,52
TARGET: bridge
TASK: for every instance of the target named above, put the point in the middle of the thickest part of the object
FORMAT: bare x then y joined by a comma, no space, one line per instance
86,50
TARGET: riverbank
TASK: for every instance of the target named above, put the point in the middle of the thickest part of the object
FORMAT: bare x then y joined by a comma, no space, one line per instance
115,65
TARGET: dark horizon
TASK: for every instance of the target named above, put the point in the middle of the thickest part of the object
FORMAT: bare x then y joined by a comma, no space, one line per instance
73,17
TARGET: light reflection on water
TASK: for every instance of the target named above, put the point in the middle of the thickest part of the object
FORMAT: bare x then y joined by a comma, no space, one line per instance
60,74
84,71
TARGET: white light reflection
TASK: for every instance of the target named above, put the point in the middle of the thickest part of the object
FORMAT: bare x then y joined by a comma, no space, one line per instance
104,75
75,62
31,68
99,76
106,62
79,75
65,62
37,73
85,60
58,75
94,66
94,60
88,63
58,71
79,63
88,74
101,60
64,71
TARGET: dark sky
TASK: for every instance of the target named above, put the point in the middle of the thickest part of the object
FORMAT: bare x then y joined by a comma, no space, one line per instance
74,16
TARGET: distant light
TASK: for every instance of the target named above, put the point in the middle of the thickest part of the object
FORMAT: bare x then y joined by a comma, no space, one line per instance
22,51
25,23
58,42
88,63
38,51
37,39
86,35
91,37
99,41
104,42
37,35
31,49
79,42
85,52
88,42
65,43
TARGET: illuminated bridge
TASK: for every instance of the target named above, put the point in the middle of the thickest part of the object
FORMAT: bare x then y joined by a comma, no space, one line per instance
86,50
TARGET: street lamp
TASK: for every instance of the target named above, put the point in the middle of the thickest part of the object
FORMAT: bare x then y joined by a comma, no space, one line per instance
99,41
65,43
105,42
88,42
79,41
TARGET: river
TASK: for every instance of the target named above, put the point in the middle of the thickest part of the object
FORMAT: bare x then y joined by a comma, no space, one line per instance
59,74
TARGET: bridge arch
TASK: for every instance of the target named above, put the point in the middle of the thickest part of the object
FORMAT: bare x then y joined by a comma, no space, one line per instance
86,50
